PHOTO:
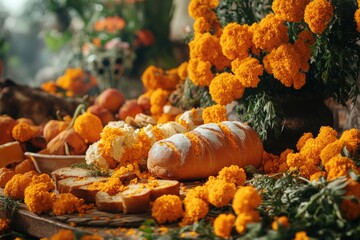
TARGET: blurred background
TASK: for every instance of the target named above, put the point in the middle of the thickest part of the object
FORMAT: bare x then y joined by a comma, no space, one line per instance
114,40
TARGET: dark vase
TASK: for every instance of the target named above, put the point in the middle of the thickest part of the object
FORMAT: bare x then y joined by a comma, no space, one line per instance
302,113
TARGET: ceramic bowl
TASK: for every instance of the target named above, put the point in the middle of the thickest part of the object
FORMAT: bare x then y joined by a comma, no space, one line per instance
46,163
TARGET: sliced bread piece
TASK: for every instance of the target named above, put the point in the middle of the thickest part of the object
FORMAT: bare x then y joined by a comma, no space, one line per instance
66,172
161,187
69,184
108,203
136,199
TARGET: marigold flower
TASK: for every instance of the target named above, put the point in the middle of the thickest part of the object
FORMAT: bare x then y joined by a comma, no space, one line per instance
223,225
270,163
291,11
153,78
247,71
339,166
201,8
244,218
63,234
66,203
331,150
167,208
37,198
270,33
282,221
214,114
225,88
301,236
49,87
23,132
158,99
221,192
352,139
350,209
318,14
233,174
200,72
246,199
197,192
201,25
235,41
195,209
74,81
284,63
15,188
89,127
316,176
110,24
206,47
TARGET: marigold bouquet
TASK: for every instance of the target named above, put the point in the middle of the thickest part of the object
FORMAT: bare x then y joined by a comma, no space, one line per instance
254,52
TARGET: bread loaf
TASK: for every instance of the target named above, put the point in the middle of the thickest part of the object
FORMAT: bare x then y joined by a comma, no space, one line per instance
205,150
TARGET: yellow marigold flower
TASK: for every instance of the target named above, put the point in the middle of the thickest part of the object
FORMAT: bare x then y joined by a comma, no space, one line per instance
270,33
295,160
89,127
290,11
221,192
318,14
200,8
43,178
167,208
4,224
317,175
357,19
182,70
206,47
49,87
201,25
244,218
302,140
352,138
326,135
223,225
66,203
195,209
339,166
24,131
15,188
280,221
246,199
38,199
235,41
303,49
153,78
200,72
214,114
284,63
158,100
225,88
270,163
350,209
301,236
331,150
233,174
247,71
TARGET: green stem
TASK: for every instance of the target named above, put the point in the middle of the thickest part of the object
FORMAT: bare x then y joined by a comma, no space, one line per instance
79,110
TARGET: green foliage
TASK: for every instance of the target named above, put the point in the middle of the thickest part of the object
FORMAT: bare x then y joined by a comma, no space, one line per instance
95,171
8,205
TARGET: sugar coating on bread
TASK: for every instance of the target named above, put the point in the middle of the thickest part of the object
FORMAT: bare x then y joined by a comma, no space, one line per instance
235,130
210,136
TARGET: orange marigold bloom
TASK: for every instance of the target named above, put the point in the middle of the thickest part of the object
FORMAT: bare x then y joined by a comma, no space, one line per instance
201,8
282,221
270,33
200,72
233,174
15,188
158,99
4,224
198,192
317,175
303,49
206,47
167,208
270,163
38,199
49,87
63,234
195,209
66,203
89,127
214,114
225,88
357,19
331,150
223,225
301,236
153,78
352,138
221,192
235,41
244,218
318,14
110,24
23,132
247,71
246,198
284,63
302,140
201,25
339,166
290,10
350,209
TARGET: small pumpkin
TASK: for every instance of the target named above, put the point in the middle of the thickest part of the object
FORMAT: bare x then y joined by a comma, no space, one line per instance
88,126
53,127
67,142
7,123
